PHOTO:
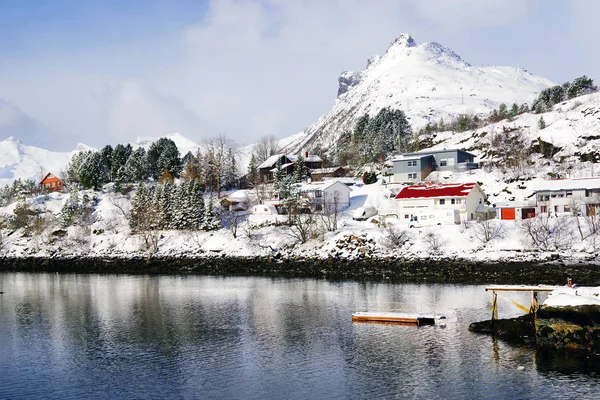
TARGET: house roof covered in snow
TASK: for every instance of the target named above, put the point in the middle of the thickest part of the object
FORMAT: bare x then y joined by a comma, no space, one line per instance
432,191
412,157
272,161
329,170
568,184
428,152
324,185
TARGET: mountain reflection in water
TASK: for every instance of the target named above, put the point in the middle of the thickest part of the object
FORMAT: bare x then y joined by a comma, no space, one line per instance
119,336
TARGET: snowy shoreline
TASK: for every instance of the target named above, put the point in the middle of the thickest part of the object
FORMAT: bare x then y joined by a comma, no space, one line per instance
430,270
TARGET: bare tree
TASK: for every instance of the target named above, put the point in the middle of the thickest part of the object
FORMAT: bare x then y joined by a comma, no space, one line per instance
576,211
303,228
487,230
548,233
330,212
434,241
232,220
395,237
267,146
509,150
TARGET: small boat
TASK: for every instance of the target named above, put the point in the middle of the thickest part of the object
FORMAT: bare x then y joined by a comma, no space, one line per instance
394,317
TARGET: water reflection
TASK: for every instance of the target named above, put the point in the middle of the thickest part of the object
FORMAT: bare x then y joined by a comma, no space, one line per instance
189,337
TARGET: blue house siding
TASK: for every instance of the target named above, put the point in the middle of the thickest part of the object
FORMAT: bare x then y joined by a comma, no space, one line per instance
414,167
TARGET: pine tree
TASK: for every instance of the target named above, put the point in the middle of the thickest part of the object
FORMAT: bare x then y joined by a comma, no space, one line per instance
120,155
514,111
163,154
442,126
541,123
299,169
106,154
502,112
211,220
136,167
196,207
92,173
253,170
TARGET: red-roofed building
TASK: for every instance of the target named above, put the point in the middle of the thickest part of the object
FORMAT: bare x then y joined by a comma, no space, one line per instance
454,201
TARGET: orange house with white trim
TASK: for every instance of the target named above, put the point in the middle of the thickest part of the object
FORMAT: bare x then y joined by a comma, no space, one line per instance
51,183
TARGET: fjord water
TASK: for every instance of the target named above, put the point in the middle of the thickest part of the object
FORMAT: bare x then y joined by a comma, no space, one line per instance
117,336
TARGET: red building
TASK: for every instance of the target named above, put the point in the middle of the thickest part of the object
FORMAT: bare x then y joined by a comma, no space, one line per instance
51,183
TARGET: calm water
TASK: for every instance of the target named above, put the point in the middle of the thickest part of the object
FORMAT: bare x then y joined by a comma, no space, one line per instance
91,336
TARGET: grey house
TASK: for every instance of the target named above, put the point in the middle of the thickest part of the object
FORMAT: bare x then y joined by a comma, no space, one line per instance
415,167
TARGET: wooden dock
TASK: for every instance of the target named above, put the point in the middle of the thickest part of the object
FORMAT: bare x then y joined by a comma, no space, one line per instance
535,294
394,318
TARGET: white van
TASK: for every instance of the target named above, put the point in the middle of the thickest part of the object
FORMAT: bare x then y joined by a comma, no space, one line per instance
364,213
422,220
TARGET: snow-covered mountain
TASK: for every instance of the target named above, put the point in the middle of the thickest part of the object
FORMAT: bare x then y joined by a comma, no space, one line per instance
428,82
18,160
183,144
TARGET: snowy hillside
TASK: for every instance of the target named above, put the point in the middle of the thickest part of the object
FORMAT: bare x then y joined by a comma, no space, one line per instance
572,129
18,160
428,82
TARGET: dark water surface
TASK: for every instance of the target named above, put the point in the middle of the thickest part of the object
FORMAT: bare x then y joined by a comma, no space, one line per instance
117,336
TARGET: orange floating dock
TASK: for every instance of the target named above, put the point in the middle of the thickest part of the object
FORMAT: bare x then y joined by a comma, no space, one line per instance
393,317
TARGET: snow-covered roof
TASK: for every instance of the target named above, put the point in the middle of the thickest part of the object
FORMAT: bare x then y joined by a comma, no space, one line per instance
432,191
324,170
307,158
429,152
271,161
410,158
284,166
238,195
324,185
568,184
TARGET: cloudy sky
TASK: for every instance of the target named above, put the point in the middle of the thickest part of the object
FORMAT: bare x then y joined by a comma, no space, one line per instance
108,71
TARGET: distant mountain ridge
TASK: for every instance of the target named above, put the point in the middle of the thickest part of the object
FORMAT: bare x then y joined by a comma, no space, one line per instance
428,82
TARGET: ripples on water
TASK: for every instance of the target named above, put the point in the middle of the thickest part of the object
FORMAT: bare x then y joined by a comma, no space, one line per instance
91,336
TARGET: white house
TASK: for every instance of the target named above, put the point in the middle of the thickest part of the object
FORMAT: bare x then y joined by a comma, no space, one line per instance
328,193
513,210
457,202
561,195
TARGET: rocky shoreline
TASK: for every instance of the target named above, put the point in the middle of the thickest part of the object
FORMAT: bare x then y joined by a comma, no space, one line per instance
442,270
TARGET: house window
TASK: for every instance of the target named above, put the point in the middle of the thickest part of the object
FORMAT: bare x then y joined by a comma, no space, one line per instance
412,163
412,176
544,209
546,198
443,162
569,194
452,201
442,201
553,196
318,194
567,209
541,198
480,201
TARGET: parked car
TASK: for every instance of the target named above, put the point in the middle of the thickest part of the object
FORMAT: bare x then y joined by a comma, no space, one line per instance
364,213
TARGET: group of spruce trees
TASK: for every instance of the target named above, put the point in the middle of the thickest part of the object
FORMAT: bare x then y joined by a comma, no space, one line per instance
373,139
214,170
172,206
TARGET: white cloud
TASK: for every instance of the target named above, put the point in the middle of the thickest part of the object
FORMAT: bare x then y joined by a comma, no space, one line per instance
472,14
253,67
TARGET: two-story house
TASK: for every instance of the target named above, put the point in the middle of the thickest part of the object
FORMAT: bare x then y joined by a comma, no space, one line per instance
267,169
563,195
415,167
455,201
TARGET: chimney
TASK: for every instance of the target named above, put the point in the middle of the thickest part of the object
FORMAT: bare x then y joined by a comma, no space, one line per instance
305,154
